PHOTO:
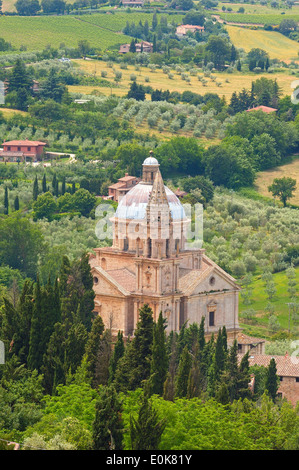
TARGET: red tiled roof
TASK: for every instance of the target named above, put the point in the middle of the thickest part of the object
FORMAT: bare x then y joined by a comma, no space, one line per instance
287,366
32,143
266,109
127,178
124,277
117,186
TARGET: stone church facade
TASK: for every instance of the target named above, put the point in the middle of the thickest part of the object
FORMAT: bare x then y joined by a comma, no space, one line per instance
151,263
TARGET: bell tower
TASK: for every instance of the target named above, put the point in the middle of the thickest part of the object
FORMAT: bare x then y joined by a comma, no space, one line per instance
150,167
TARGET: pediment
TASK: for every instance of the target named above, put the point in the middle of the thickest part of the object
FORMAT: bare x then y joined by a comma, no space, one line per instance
210,279
104,284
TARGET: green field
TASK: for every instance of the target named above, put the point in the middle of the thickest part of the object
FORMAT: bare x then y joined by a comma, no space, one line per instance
101,30
264,18
38,32
259,325
277,45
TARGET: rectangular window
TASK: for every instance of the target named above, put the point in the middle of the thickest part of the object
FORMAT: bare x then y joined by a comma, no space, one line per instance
297,379
29,148
211,318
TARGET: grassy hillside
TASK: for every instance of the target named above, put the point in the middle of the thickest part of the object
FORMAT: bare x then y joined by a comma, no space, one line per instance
265,178
38,32
259,325
259,18
277,45
160,80
102,30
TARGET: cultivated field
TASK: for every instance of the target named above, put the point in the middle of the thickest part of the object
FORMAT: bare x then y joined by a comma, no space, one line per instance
265,178
253,18
159,80
278,46
260,301
102,30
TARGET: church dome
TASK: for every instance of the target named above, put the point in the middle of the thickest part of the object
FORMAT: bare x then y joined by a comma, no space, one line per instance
133,205
150,161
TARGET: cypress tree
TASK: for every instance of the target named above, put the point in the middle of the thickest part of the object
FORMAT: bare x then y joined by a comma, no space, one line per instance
53,368
243,390
146,431
183,374
169,385
219,356
201,334
63,186
194,379
159,364
17,203
134,367
54,183
44,184
272,380
36,345
93,346
75,343
6,204
107,429
232,371
154,21
35,189
119,350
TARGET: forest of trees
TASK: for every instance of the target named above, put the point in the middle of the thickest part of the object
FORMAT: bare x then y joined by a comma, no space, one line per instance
60,352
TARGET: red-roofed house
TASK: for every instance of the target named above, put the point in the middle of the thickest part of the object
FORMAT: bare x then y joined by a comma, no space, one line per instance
287,370
183,29
20,150
266,109
118,190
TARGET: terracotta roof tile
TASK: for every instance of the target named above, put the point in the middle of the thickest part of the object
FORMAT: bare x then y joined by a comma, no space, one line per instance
124,277
287,366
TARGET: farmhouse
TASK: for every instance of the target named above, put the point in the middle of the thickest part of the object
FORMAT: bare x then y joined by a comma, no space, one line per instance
183,29
265,109
287,370
143,46
21,150
150,262
132,3
118,190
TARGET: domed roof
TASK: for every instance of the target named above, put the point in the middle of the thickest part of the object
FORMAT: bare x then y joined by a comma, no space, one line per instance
150,161
133,204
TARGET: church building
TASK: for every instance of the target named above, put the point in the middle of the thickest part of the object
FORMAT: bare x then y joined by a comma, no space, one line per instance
151,262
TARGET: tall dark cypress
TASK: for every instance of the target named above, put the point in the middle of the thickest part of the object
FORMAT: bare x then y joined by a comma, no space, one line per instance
201,334
146,431
108,428
6,204
134,367
184,369
272,379
44,184
36,345
159,363
17,203
93,346
35,189
118,352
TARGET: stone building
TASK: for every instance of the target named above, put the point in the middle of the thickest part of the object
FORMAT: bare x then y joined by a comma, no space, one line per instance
151,262
287,368
117,190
